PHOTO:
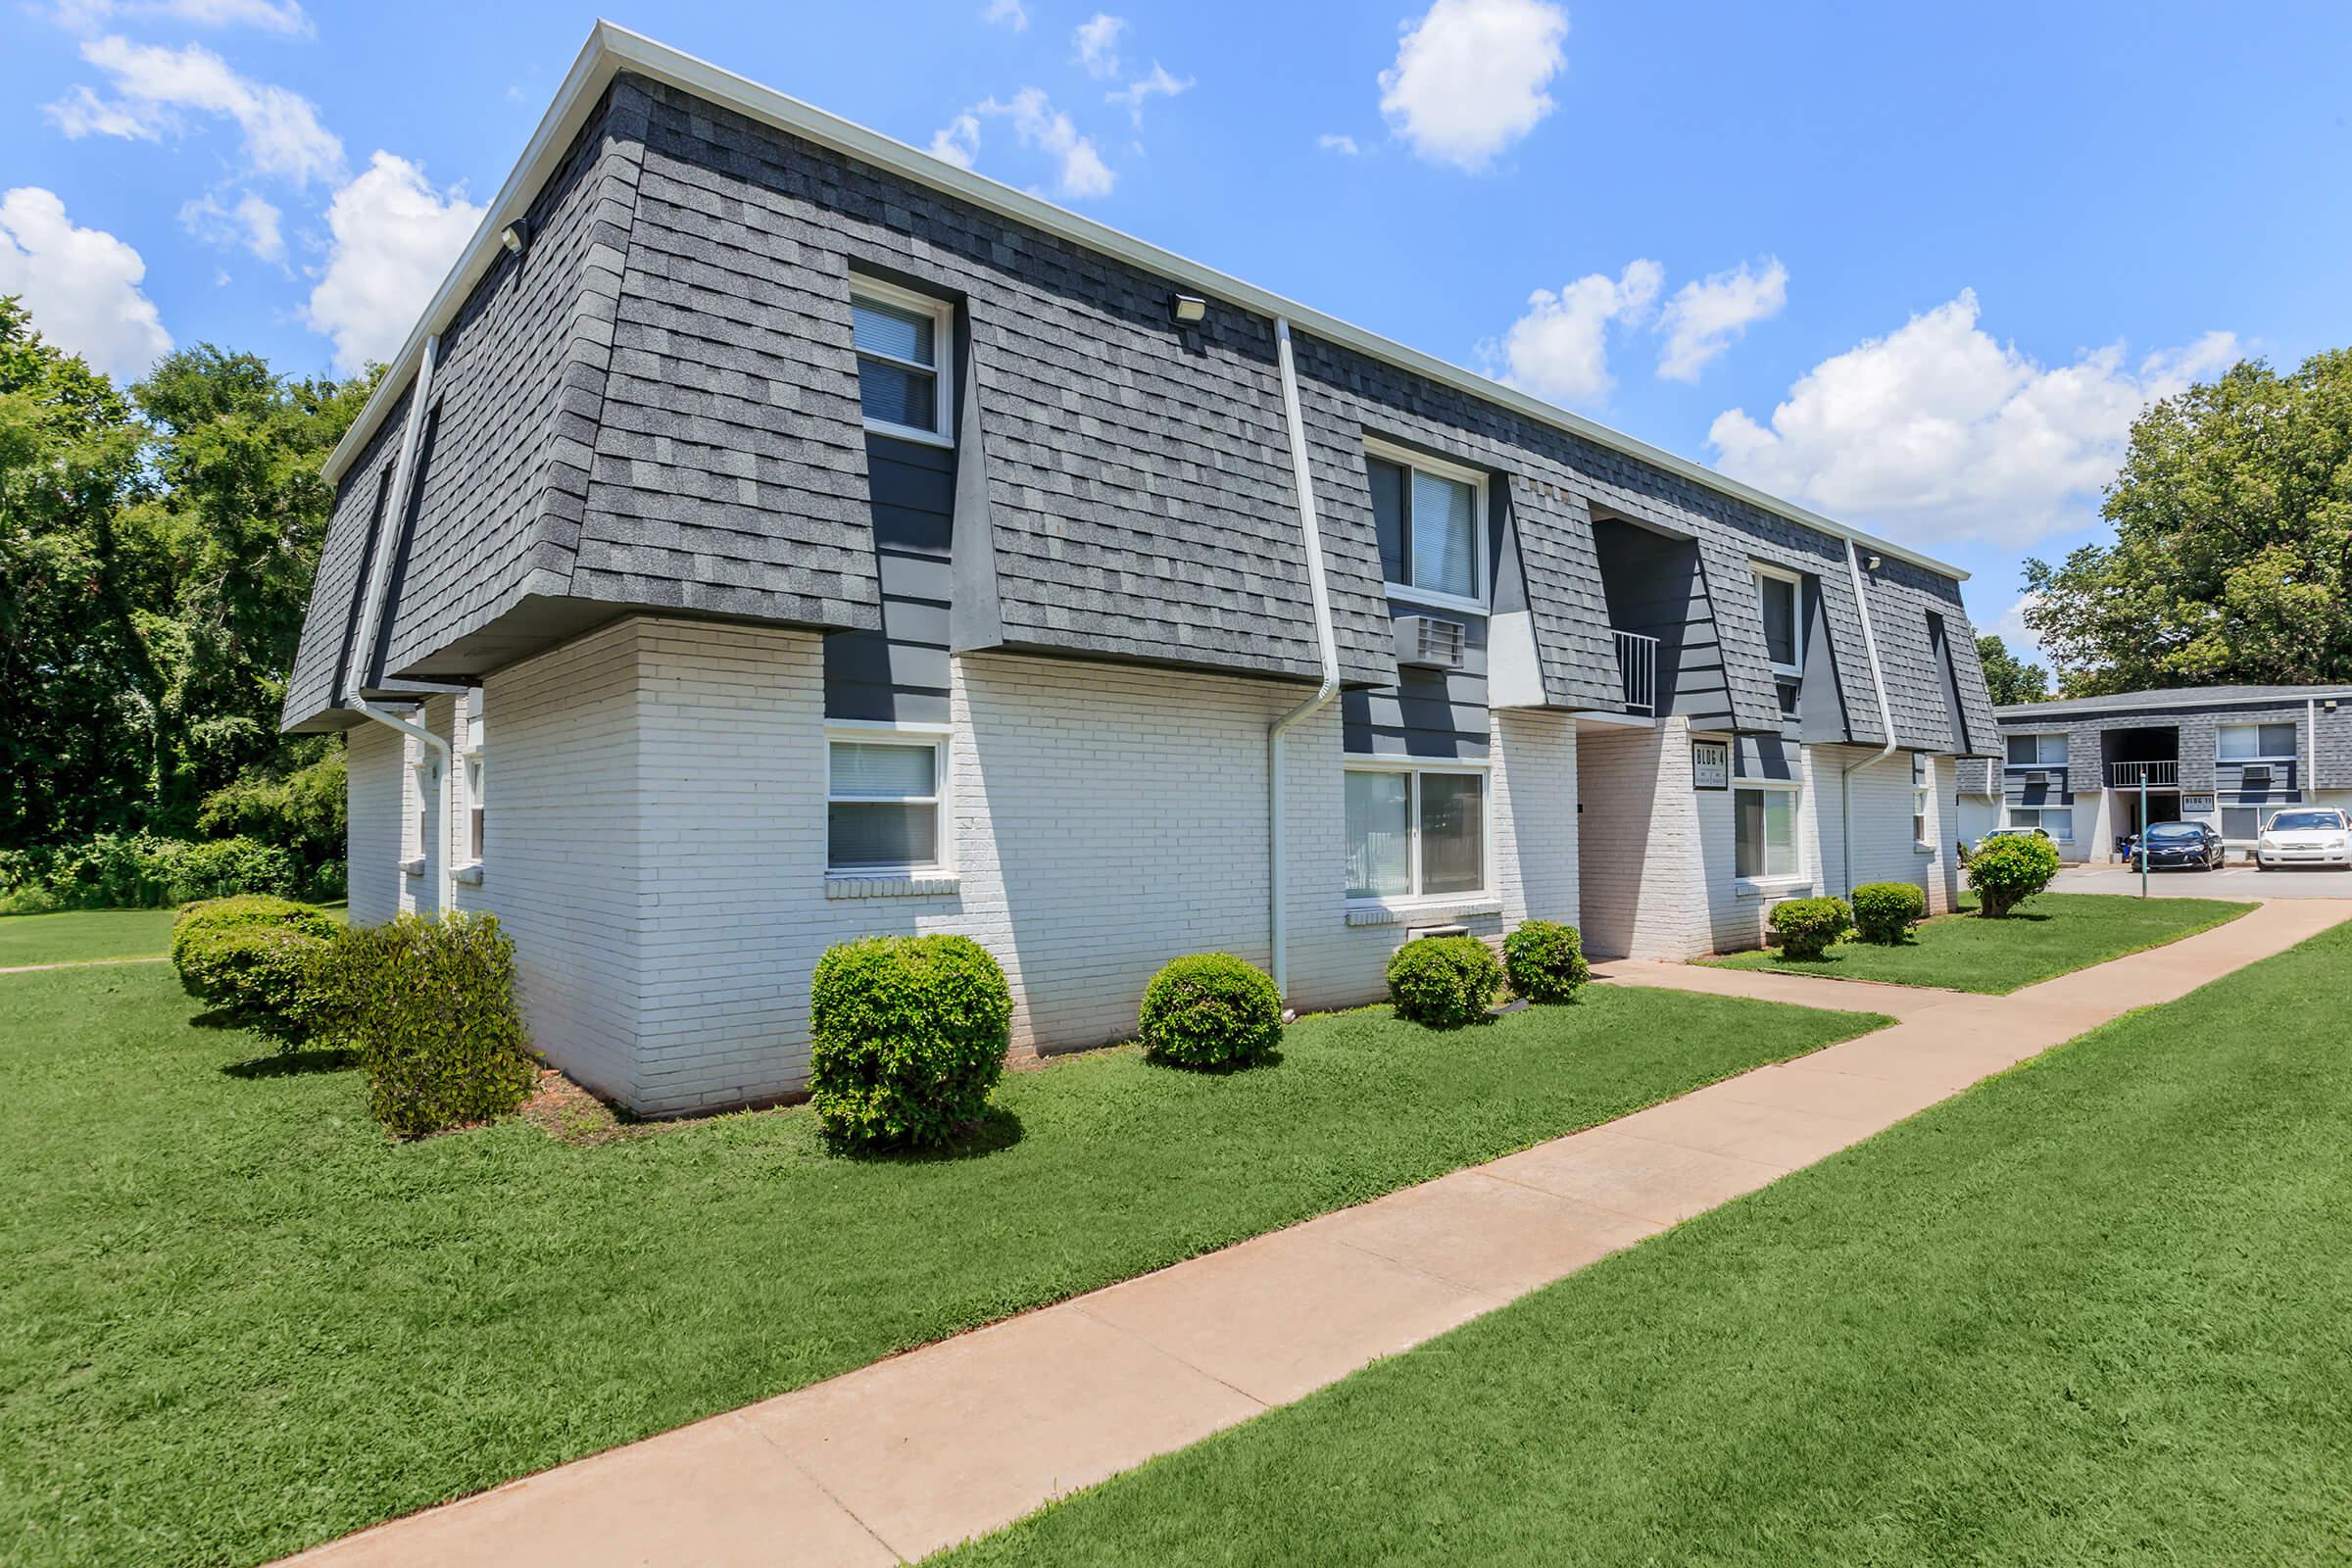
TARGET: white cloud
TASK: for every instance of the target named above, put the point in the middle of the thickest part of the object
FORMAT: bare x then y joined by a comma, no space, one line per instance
1938,432
1011,13
1080,172
1158,83
958,141
395,239
1098,43
81,284
2013,630
1704,317
1559,347
253,223
156,87
1331,143
270,16
1470,77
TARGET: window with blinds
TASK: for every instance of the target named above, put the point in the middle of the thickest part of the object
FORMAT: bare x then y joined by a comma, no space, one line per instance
1432,541
901,338
882,803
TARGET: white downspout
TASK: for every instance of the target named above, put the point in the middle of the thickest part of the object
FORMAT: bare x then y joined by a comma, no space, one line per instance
440,770
1878,681
380,578
1319,598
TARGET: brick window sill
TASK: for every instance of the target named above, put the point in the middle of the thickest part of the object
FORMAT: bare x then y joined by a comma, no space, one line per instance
892,885
1434,911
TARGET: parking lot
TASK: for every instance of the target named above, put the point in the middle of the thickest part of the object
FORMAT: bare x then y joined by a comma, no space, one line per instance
2229,882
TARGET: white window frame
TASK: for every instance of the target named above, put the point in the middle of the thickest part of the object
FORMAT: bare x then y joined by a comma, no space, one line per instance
943,340
1796,833
2018,814
1922,790
2036,737
473,780
888,732
1413,768
1761,571
1480,524
2258,726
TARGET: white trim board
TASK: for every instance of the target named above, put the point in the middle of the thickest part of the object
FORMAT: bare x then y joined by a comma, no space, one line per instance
611,50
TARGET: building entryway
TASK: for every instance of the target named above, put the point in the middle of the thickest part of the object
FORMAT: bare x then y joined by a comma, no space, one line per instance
2164,805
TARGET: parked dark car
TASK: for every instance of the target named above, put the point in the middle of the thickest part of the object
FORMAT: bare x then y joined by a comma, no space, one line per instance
2179,845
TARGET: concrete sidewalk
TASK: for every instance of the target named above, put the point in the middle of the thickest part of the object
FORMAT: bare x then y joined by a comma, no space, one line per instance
898,1460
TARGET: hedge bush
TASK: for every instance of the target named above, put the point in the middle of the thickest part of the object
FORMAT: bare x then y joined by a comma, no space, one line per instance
1545,961
907,1038
428,1005
141,871
1884,911
1804,928
1210,1010
256,959
2006,871
1444,982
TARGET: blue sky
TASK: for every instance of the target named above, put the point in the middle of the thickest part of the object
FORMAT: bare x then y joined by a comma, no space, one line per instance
1915,266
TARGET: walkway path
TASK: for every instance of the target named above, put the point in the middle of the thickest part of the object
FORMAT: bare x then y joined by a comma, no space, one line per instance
76,963
900,1458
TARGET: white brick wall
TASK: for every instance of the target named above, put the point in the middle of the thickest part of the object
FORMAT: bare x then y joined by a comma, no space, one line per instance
376,816
1644,883
656,843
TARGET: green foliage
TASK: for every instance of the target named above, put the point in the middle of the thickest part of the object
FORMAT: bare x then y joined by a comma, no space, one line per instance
262,976
1444,982
1885,911
429,1007
907,1038
1212,1009
1545,961
299,808
2232,560
244,911
2006,871
2009,678
1804,928
155,550
140,872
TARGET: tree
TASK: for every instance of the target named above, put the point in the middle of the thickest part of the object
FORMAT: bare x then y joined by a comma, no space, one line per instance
155,552
2232,556
2009,678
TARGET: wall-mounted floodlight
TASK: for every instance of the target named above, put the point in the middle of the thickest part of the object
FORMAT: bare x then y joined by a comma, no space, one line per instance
514,235
1189,309
1871,564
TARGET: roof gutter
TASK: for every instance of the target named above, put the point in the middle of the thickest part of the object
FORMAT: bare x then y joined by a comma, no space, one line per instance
1327,649
1878,681
612,49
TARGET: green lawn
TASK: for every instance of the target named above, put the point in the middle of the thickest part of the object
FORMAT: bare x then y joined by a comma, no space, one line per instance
84,934
2090,1312
2055,934
237,1321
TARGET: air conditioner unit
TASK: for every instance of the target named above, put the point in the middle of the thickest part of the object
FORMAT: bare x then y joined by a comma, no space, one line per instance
1430,642
2255,776
2037,781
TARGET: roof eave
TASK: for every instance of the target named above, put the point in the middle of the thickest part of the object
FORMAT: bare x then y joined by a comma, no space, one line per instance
612,49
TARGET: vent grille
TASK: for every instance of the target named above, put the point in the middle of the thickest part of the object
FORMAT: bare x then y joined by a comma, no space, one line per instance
1429,641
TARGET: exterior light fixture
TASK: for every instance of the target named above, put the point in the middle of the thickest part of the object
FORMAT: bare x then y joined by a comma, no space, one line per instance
1872,563
513,236
1187,309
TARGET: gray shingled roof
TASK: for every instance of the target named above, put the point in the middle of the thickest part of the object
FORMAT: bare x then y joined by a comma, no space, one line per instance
2164,698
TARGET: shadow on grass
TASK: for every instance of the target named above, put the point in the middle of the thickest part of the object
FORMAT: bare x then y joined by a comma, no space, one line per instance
1222,1069
292,1064
997,1130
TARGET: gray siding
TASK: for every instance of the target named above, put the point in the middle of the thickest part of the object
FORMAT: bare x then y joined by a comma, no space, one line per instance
899,671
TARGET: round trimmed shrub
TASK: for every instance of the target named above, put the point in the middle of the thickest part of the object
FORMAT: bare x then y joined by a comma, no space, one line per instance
254,959
2006,871
1545,961
428,1005
1210,1010
1884,911
1804,928
907,1038
1444,982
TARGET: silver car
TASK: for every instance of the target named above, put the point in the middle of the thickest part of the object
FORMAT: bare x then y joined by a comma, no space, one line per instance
2305,835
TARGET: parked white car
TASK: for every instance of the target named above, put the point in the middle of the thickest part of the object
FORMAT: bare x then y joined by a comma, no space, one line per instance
2305,835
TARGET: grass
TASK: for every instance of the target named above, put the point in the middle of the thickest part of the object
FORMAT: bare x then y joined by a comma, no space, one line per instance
83,935
2055,934
236,1321
2090,1312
